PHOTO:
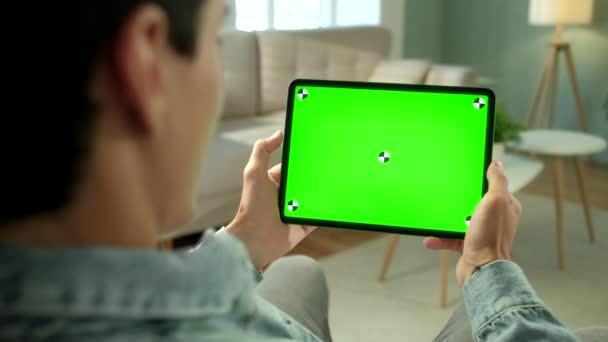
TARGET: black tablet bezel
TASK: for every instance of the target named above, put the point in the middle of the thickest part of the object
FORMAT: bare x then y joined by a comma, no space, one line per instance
379,86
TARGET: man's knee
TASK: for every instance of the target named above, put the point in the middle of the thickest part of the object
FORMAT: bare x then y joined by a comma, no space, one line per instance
300,262
302,266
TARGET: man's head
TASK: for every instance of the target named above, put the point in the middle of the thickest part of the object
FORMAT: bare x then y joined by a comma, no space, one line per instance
120,93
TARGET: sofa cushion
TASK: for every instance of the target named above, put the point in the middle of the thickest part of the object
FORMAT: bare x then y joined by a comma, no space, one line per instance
241,77
276,118
409,71
222,168
452,75
286,57
229,151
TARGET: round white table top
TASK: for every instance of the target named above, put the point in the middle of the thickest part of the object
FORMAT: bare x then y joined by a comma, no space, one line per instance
559,143
520,170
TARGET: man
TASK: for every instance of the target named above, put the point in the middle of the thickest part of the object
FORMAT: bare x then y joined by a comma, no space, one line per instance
103,157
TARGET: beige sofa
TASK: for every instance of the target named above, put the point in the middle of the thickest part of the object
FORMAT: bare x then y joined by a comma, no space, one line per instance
258,68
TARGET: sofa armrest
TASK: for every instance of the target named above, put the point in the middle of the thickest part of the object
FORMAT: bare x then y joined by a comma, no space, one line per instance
409,71
452,75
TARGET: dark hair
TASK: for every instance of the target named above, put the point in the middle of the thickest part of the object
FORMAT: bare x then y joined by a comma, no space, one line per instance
48,117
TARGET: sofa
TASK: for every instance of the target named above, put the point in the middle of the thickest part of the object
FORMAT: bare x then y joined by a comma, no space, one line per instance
258,67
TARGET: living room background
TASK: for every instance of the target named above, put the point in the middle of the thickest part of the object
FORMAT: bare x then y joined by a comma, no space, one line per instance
451,42
495,38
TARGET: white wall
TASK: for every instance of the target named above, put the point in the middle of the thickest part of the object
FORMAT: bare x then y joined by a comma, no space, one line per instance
423,29
392,16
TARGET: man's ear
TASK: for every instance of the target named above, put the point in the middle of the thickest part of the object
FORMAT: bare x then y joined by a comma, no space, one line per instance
137,66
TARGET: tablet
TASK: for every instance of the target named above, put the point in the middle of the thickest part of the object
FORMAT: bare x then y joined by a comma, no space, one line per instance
406,159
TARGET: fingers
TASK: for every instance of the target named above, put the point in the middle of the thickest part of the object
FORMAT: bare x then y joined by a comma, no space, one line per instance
298,233
516,204
275,174
499,186
260,156
308,229
438,243
497,180
263,148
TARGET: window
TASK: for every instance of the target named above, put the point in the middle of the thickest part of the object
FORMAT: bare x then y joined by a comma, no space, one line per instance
357,12
258,15
252,15
301,14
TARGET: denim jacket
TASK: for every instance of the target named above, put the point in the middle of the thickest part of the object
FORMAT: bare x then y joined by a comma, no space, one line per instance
208,294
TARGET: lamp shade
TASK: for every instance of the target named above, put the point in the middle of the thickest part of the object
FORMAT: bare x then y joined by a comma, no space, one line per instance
552,12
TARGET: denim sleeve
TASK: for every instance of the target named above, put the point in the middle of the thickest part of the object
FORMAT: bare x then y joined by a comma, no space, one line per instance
257,274
223,234
502,306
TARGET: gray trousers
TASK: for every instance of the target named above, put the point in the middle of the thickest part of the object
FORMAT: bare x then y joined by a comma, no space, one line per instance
297,286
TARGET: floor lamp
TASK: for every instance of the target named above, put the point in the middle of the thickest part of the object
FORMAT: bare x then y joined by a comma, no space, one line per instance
558,13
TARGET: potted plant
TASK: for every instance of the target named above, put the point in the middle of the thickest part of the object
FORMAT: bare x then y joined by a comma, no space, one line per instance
505,130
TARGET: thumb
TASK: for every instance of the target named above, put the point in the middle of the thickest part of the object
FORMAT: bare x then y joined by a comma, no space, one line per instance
262,150
497,179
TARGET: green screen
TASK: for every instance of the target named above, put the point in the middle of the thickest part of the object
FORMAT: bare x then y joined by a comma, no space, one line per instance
394,156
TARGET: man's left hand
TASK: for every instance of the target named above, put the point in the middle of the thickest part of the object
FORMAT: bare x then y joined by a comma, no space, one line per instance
257,223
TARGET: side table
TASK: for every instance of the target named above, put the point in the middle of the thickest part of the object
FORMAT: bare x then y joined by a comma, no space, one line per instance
558,145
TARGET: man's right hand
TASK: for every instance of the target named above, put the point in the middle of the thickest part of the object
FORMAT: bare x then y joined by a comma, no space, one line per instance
491,231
